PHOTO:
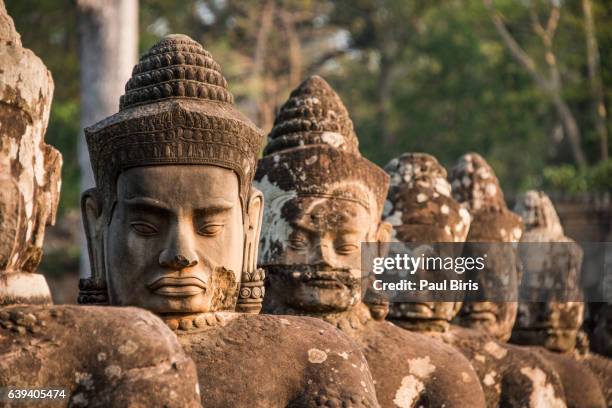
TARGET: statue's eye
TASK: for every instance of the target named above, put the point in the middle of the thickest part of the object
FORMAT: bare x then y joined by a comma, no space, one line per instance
144,228
345,249
210,229
298,243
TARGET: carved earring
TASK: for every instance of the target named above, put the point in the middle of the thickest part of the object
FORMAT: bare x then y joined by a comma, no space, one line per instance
252,291
92,291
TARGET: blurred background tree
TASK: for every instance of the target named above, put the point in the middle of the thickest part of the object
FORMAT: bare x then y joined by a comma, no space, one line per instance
524,83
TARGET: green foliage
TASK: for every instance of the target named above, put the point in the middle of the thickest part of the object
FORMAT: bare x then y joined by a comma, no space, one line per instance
601,176
567,178
454,87
62,133
57,262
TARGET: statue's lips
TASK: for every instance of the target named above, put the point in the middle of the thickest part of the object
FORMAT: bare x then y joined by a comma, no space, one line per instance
326,280
178,286
314,276
325,283
417,310
481,316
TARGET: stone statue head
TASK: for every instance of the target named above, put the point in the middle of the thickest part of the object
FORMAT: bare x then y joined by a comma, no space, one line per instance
173,222
553,265
475,186
29,168
541,221
421,210
322,201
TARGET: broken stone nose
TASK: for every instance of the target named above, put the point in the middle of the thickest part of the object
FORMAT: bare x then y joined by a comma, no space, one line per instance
178,262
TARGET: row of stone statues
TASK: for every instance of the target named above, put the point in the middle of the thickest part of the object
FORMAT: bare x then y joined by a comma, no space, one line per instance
185,222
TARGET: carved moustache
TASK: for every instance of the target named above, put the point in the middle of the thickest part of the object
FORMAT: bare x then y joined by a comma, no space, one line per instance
179,286
415,310
314,275
480,312
223,286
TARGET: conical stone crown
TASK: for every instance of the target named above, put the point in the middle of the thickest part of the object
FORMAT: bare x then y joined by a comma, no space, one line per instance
546,226
418,170
475,185
313,151
419,205
175,67
177,109
313,114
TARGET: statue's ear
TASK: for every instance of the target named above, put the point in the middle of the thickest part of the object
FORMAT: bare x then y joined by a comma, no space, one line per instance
93,290
93,221
253,220
383,237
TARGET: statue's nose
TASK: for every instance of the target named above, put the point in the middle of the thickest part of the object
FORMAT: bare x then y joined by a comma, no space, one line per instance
179,252
176,262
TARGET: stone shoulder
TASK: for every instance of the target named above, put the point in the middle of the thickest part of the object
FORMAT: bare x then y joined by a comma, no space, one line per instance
510,375
317,363
104,356
602,367
410,366
576,377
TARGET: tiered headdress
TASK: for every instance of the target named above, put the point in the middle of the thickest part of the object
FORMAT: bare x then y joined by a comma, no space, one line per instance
475,184
419,204
477,188
176,110
547,226
313,148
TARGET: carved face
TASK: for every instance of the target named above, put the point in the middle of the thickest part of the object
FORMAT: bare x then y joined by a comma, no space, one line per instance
424,225
530,211
424,316
318,264
175,240
495,318
428,314
601,340
553,325
497,281
476,187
